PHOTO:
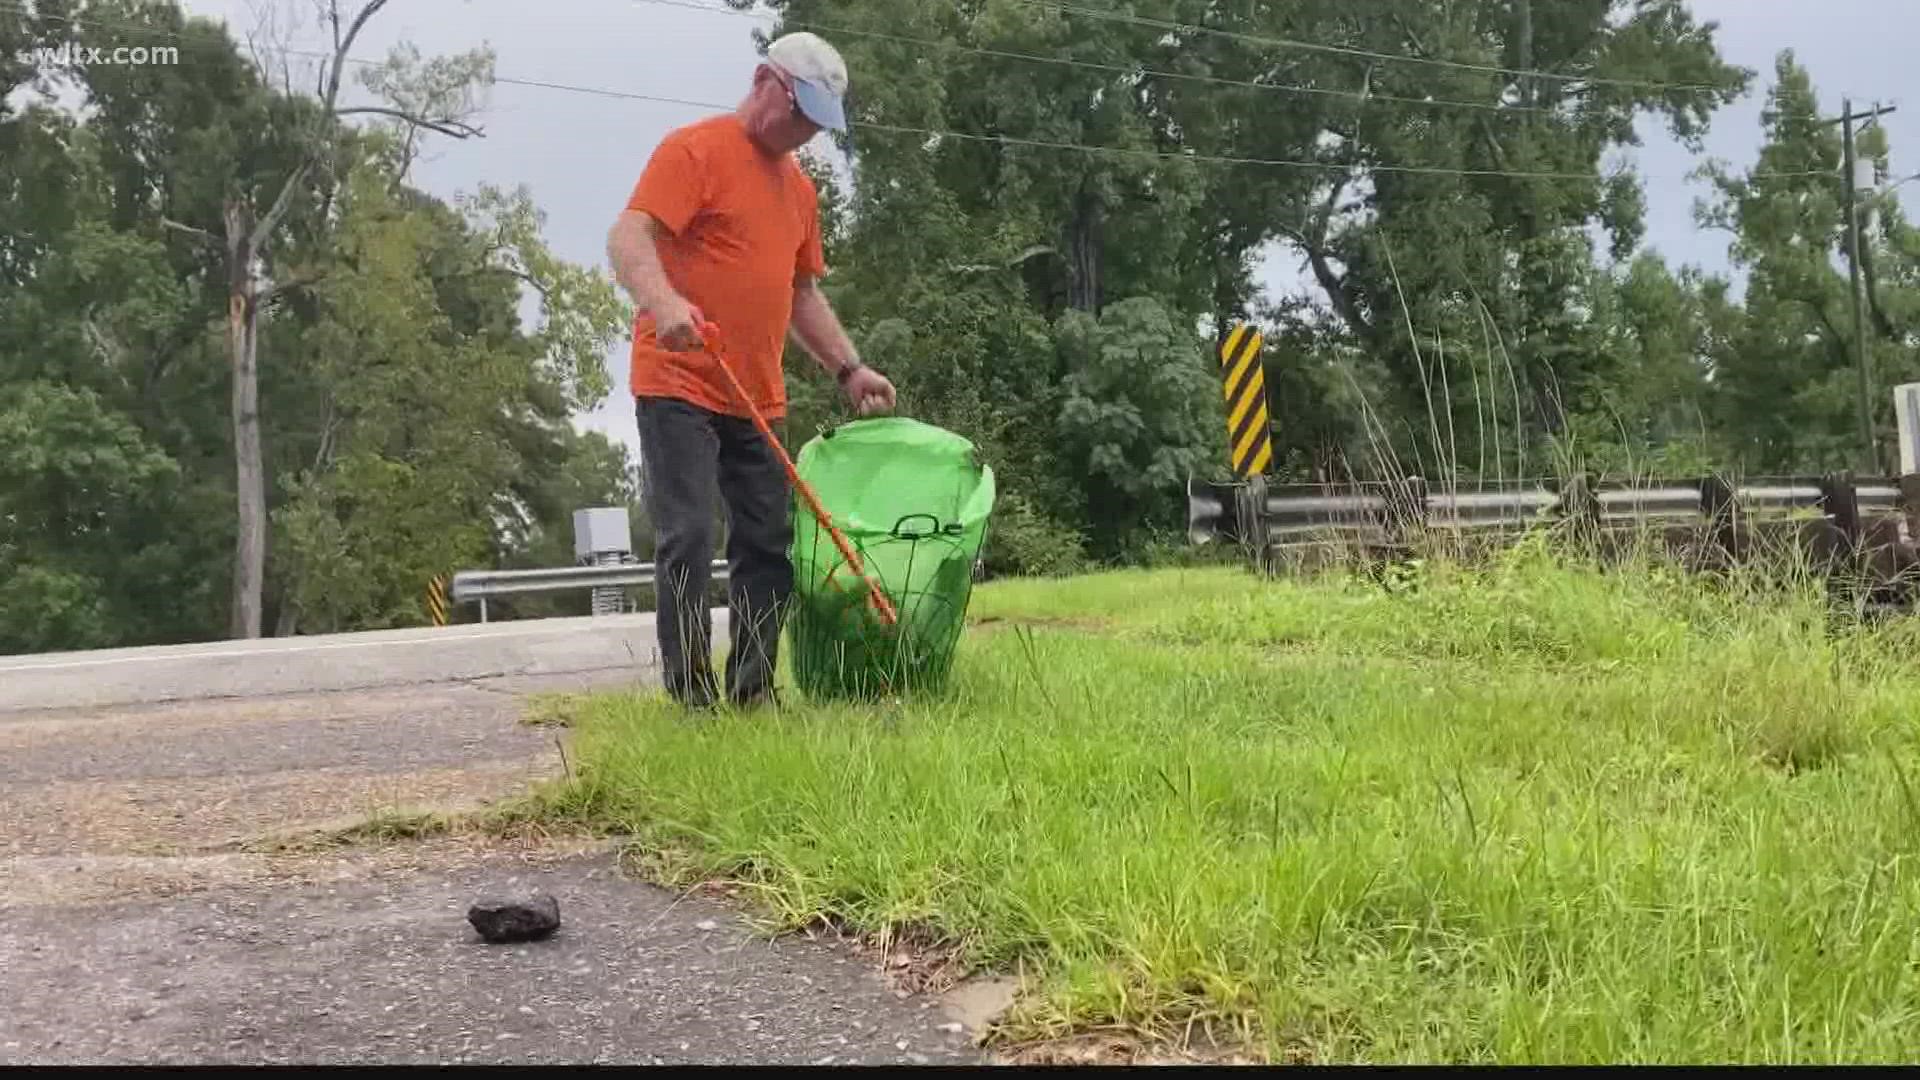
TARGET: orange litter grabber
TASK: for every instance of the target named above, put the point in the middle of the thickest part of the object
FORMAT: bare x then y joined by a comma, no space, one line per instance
876,596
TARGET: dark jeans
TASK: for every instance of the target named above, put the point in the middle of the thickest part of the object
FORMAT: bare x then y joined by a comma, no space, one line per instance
689,459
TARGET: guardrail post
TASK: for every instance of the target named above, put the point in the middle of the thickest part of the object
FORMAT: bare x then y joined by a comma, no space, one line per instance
1406,510
1723,515
1250,515
1580,507
1842,503
1909,485
1207,517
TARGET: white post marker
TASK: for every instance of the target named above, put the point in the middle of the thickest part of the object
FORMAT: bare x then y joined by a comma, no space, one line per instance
1906,405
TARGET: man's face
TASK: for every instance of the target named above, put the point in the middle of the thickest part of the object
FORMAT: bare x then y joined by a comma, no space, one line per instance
774,117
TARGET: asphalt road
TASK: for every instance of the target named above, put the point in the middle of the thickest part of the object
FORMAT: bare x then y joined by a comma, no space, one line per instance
379,966
146,916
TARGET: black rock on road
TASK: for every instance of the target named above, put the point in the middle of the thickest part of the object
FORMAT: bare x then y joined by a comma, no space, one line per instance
505,922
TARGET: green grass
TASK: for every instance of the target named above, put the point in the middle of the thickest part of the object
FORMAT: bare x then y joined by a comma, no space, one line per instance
1523,814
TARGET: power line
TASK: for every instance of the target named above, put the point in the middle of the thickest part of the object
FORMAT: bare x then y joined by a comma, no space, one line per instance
785,21
1287,88
933,133
1315,46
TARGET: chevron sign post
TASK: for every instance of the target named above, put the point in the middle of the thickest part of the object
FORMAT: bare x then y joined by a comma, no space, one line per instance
1249,440
437,600
1244,382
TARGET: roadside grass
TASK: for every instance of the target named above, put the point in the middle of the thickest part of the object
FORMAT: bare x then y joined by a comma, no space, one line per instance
1524,813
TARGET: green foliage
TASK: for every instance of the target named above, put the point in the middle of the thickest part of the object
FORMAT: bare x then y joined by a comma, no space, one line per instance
1458,323
412,425
582,313
1026,541
75,477
1474,292
1786,378
1141,411
365,538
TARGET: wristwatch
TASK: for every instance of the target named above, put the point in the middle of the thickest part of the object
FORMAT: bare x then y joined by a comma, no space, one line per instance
846,372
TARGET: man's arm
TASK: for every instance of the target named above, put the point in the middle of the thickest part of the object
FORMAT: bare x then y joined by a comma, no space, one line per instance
632,249
635,258
818,329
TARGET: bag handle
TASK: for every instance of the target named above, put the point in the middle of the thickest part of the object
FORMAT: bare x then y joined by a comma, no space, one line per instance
899,527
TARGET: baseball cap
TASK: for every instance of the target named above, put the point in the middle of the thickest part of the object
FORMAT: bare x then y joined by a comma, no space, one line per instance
819,77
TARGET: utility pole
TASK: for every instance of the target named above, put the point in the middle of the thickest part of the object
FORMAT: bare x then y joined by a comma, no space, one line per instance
1855,280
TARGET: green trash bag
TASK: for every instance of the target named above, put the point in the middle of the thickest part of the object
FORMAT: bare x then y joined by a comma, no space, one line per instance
913,501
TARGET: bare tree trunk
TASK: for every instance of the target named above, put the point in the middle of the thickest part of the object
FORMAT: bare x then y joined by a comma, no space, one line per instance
1524,43
248,233
250,475
1083,253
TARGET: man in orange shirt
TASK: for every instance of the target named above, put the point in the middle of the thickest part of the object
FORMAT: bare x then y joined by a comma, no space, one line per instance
724,226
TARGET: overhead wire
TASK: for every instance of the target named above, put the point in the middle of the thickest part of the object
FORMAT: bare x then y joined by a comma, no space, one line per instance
928,133
1358,96
1170,26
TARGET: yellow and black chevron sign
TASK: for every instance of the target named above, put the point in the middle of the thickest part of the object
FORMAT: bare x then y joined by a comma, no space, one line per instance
437,600
1249,443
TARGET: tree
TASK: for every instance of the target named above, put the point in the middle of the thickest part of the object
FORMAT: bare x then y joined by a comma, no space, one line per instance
423,423
291,151
1139,414
1045,159
1497,263
103,521
1785,381
434,402
73,477
1650,412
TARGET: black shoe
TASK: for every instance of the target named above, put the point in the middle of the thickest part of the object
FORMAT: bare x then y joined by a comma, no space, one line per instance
697,698
765,699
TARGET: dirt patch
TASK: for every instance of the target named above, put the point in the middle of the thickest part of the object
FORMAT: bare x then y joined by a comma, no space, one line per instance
917,959
914,961
977,1004
552,710
180,816
1120,1048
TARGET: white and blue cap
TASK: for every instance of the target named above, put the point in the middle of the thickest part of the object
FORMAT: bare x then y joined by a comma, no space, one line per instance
819,77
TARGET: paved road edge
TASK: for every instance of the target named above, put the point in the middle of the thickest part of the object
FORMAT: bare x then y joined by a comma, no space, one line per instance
333,663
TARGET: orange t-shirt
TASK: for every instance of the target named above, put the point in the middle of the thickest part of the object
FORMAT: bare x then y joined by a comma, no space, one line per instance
744,225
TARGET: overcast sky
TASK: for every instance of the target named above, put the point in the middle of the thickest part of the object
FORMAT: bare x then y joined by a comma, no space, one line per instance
580,154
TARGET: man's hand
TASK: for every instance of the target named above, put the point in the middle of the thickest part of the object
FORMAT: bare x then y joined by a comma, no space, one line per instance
676,324
869,391
818,330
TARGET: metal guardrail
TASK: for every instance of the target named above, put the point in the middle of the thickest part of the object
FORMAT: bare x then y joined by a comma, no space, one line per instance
1391,514
479,586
